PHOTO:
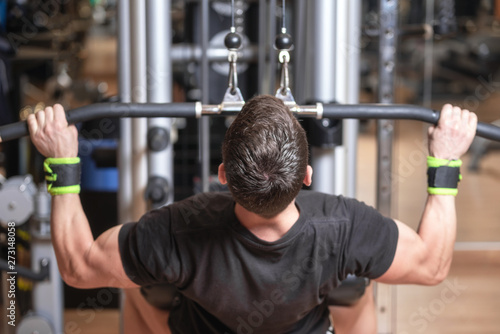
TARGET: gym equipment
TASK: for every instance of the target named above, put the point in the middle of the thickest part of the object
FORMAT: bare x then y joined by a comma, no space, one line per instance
479,148
196,109
20,194
17,201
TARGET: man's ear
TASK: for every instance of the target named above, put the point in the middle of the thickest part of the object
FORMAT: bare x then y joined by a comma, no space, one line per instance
308,177
222,174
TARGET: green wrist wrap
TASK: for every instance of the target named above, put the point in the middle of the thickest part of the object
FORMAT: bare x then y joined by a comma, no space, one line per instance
62,175
443,176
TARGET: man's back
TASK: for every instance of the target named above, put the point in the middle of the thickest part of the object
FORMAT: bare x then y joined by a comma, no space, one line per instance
233,281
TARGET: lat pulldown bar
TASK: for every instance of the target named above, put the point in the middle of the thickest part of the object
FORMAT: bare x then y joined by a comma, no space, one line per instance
338,111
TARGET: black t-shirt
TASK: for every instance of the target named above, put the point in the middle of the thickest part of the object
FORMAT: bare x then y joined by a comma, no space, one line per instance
234,282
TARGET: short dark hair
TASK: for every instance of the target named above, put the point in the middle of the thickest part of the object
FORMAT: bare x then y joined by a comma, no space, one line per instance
265,154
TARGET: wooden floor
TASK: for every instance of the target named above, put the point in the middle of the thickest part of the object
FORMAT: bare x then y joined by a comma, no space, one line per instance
467,302
92,321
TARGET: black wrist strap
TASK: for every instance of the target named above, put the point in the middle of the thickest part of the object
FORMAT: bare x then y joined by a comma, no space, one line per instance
62,175
443,177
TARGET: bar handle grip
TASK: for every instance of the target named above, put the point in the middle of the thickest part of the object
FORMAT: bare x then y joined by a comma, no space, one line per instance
110,110
399,111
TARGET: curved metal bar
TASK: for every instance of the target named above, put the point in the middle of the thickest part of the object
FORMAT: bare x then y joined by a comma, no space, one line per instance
380,111
110,110
400,111
339,111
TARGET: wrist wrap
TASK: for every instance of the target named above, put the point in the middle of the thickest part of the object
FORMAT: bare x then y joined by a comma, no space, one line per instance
443,176
62,175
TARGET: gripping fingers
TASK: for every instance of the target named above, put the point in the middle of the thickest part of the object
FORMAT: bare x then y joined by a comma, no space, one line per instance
445,114
49,114
473,120
472,124
40,117
60,115
456,117
465,119
32,124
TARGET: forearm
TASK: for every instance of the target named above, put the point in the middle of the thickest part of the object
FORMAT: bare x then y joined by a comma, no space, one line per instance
358,318
438,232
71,235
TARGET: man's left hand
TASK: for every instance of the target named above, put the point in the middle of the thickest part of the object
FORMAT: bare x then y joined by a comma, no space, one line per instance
51,134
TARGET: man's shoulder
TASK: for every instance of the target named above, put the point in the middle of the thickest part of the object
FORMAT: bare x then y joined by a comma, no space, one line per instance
203,199
315,196
203,210
317,204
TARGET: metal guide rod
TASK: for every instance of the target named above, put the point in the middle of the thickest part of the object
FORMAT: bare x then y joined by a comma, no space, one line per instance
320,80
428,54
124,193
342,77
196,109
125,143
160,189
388,34
271,65
385,130
139,95
300,52
351,126
261,56
204,122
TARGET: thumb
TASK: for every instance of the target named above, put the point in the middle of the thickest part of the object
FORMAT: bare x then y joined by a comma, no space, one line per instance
74,130
431,129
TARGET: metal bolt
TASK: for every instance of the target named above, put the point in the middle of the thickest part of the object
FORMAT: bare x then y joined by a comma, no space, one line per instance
389,66
389,33
388,127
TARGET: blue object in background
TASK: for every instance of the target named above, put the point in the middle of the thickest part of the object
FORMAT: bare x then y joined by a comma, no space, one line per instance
3,15
96,178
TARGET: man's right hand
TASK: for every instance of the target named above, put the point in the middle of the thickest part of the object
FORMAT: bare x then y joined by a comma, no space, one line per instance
425,258
51,134
454,133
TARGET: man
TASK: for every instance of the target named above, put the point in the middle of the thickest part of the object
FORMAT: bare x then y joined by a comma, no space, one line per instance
264,258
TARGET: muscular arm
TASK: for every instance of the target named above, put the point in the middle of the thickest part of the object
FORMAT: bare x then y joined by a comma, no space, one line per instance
424,257
83,262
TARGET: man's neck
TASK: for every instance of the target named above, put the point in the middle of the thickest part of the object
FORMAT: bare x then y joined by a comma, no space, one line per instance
268,229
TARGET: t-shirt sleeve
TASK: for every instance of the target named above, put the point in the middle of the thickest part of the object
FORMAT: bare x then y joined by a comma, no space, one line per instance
148,249
371,241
